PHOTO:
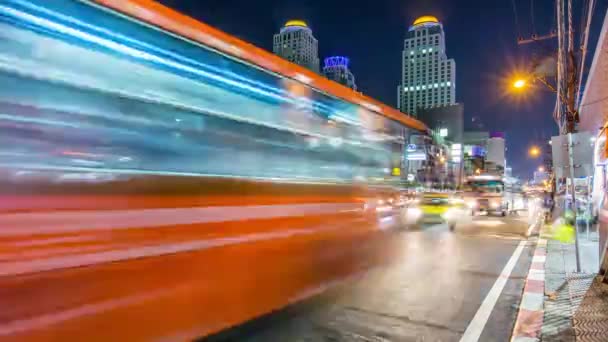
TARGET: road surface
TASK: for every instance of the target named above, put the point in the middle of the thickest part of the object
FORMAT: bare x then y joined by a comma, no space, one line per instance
431,291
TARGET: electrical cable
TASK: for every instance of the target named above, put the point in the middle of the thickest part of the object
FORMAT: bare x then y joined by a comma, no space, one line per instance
532,16
516,19
588,13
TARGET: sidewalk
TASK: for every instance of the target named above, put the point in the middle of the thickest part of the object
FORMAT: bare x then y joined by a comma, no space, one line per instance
575,304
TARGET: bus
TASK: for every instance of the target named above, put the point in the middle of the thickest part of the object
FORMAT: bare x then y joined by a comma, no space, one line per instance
161,179
486,193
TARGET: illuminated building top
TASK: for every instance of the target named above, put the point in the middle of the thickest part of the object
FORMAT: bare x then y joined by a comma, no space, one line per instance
428,76
336,69
296,23
296,43
425,21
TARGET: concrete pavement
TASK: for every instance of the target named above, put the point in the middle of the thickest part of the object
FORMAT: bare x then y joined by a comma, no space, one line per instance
436,289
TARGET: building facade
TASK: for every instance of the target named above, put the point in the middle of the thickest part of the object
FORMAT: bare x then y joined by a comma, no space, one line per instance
495,154
447,121
336,69
475,150
428,76
295,43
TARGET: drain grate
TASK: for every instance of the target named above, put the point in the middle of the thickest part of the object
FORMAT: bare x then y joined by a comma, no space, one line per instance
590,307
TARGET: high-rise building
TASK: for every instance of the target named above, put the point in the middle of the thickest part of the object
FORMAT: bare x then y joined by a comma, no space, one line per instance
428,77
336,69
296,44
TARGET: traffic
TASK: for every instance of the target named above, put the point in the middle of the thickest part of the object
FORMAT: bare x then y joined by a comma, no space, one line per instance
163,178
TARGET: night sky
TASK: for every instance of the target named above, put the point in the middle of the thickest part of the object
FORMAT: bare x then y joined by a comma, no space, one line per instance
481,37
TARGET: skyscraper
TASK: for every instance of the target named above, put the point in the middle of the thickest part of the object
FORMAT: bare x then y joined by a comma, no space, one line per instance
296,44
336,69
428,76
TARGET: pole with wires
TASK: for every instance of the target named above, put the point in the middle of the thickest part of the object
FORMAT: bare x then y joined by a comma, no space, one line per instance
558,115
584,41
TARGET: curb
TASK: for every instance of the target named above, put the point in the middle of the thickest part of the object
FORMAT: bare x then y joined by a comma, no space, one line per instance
529,322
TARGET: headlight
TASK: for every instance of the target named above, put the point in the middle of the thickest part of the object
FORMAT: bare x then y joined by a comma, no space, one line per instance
472,204
452,213
414,212
494,205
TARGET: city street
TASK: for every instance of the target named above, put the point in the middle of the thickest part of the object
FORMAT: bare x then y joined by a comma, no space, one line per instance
430,292
217,171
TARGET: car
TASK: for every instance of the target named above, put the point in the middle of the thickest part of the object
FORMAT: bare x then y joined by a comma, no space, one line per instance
433,208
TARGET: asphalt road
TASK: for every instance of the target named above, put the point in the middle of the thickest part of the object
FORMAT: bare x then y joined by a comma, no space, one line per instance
430,292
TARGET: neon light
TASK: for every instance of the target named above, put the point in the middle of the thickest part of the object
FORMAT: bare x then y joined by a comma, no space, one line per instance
336,61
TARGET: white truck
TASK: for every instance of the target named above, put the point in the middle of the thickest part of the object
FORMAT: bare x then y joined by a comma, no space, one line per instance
486,193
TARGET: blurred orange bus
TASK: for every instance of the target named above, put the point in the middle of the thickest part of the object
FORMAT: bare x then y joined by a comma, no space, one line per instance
160,179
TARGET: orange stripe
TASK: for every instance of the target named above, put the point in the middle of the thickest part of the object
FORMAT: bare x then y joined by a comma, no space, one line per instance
161,16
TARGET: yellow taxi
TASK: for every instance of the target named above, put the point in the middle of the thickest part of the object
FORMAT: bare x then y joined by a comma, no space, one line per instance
432,207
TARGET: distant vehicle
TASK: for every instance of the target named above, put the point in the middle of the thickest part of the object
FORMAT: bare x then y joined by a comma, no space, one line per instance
486,193
433,208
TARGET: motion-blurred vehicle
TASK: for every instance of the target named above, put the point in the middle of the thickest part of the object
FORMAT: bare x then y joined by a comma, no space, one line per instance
168,148
434,208
486,193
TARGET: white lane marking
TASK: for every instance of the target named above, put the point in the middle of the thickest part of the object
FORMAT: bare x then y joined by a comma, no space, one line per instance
480,319
529,232
82,221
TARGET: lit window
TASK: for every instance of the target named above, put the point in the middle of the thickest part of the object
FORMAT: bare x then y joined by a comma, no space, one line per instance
449,83
417,87
423,50
411,52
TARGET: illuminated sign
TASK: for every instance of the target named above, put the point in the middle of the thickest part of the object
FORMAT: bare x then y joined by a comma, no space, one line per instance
416,156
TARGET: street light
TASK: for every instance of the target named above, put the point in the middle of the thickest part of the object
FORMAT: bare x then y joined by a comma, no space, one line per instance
541,169
519,83
534,152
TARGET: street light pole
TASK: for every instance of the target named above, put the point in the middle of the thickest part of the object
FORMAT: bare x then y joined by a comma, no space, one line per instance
573,199
570,128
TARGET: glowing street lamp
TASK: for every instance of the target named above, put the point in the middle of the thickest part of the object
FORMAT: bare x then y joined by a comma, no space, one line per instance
534,151
519,83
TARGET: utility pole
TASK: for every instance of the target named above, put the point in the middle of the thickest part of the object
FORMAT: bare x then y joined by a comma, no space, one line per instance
566,113
571,112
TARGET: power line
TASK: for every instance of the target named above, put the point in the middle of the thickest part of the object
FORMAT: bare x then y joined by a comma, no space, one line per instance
588,16
516,19
534,37
558,113
532,16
